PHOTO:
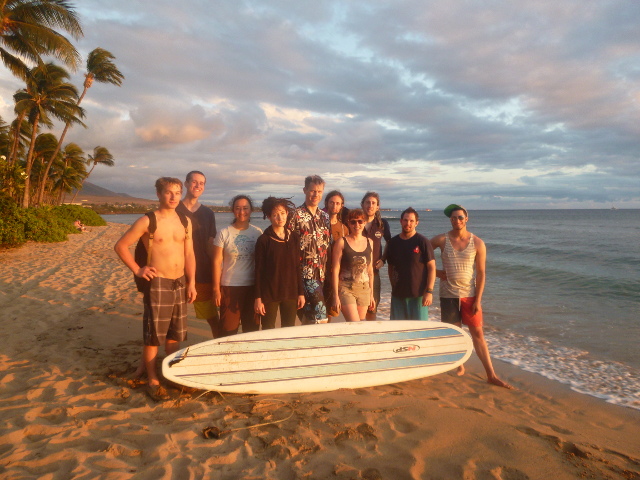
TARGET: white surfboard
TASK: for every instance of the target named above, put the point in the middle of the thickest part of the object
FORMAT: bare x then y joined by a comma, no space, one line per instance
317,358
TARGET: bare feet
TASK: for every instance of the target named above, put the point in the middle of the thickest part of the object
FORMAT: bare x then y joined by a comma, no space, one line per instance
496,381
460,370
140,371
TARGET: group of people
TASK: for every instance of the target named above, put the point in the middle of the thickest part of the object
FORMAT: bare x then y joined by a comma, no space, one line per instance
310,263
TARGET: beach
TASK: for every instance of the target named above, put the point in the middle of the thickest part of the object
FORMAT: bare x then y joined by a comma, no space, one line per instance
71,319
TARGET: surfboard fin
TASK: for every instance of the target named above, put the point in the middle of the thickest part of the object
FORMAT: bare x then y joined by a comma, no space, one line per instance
179,359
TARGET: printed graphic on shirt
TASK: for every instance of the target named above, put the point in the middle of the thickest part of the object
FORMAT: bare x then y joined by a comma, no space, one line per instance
358,269
244,246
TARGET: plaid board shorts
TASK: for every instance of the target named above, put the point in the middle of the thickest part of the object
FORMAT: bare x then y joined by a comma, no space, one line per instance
165,311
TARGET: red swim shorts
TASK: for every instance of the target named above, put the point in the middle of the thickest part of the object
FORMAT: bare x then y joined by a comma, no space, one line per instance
459,310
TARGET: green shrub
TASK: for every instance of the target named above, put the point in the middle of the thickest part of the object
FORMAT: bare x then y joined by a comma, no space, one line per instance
11,231
43,224
11,223
76,212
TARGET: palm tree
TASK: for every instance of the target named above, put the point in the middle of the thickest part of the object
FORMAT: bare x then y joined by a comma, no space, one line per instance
68,171
100,68
27,30
100,156
68,180
47,94
46,143
70,177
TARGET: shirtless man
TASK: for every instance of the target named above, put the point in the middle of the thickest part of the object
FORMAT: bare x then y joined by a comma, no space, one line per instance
462,283
172,259
204,231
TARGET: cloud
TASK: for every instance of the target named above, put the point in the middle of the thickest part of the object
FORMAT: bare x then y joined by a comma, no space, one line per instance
514,104
159,124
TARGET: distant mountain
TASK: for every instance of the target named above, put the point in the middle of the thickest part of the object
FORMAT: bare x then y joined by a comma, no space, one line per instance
97,191
92,193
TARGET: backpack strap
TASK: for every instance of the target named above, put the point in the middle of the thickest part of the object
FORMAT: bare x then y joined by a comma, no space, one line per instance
185,223
152,229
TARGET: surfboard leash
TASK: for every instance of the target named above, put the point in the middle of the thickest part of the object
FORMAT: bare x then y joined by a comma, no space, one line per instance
215,432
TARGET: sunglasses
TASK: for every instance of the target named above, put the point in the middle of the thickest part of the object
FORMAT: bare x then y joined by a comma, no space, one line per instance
354,222
457,217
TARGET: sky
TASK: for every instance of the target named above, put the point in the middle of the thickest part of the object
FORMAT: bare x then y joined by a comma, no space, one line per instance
490,104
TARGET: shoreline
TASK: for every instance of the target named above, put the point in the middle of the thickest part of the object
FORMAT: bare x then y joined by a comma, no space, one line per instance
73,322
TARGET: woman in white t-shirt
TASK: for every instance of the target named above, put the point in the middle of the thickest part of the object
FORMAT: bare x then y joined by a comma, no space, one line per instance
234,270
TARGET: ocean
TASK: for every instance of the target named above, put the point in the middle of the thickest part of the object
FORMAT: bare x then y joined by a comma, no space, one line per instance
562,297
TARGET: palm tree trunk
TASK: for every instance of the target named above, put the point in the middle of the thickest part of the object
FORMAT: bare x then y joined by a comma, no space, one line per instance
27,171
61,192
13,154
45,177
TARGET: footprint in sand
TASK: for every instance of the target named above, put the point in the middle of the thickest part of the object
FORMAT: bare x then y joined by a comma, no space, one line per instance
507,473
478,410
557,429
402,425
371,474
362,433
532,432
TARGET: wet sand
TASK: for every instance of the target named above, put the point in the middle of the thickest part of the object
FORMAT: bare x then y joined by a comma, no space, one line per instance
71,319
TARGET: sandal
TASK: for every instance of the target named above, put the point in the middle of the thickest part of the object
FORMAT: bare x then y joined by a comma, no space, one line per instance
157,393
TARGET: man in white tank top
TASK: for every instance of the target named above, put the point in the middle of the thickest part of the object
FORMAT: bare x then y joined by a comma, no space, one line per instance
462,282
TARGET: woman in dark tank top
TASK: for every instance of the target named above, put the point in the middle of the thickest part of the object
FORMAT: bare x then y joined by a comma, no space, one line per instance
353,270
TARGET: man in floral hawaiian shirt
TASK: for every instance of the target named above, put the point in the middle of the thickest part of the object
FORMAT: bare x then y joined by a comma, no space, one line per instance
312,224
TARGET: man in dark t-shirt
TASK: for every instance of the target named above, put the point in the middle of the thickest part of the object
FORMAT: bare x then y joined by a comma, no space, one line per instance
376,228
412,271
204,231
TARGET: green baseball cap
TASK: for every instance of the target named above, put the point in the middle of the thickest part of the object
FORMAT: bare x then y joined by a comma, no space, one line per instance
452,207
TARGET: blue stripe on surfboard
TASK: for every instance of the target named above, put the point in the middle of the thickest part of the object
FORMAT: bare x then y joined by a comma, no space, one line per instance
328,376
200,359
299,343
322,370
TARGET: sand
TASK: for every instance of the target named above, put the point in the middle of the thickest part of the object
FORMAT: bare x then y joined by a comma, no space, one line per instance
71,322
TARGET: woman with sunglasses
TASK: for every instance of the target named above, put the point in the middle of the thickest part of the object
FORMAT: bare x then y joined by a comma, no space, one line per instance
352,265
